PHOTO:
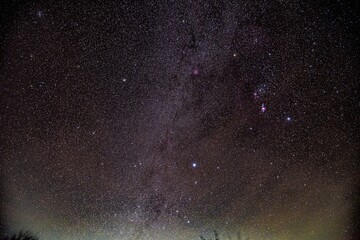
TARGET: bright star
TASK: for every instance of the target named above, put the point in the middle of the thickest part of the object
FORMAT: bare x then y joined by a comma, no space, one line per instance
40,14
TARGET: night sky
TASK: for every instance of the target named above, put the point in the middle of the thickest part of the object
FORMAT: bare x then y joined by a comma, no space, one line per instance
169,119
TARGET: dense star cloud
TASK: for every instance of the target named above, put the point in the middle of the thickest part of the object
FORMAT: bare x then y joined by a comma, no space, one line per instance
169,119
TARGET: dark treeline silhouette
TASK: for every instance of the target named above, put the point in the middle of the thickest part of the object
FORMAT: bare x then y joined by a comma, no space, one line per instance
21,236
29,236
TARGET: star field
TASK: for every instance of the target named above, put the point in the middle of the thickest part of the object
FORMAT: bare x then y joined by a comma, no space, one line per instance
169,119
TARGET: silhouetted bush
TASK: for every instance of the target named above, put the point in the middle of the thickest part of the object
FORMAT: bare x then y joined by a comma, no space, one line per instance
216,234
21,236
